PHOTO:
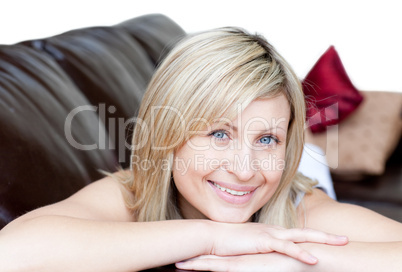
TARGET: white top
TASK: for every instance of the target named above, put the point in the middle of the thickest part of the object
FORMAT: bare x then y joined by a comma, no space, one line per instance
314,165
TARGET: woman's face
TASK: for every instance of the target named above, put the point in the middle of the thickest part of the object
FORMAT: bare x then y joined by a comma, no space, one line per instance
228,171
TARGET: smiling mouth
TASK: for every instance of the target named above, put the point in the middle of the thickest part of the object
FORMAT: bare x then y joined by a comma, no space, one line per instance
230,191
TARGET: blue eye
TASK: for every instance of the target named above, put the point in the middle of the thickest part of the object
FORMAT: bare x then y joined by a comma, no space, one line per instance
219,134
266,140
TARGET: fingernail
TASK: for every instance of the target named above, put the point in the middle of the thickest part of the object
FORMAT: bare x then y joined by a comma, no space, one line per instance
312,259
343,238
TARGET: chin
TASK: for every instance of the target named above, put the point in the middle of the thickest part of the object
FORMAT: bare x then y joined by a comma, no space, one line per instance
228,218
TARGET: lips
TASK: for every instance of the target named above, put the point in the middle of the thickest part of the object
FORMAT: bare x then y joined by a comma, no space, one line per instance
232,193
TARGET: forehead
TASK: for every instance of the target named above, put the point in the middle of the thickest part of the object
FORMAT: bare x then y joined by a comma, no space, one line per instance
261,112
275,107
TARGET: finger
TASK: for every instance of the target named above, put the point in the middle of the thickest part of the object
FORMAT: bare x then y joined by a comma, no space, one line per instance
203,257
205,263
292,250
309,235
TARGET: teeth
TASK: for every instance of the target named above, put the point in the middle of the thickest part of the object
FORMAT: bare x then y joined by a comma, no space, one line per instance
232,192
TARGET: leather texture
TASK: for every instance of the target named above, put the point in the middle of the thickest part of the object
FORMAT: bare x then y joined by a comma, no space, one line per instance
67,104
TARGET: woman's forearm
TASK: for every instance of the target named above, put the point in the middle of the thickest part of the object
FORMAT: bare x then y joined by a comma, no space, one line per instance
356,256
55,243
61,243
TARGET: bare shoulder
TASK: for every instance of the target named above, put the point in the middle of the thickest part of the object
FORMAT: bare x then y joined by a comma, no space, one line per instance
358,223
100,200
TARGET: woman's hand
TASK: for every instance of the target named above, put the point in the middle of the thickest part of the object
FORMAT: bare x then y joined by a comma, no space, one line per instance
254,238
243,263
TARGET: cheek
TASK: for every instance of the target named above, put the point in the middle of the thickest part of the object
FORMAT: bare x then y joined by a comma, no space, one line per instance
272,181
196,163
185,182
271,163
188,169
181,171
272,169
275,178
272,177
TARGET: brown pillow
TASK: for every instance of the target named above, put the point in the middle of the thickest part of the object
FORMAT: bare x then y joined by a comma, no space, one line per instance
362,143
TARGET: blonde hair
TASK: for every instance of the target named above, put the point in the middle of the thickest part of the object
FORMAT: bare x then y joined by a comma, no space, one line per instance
206,76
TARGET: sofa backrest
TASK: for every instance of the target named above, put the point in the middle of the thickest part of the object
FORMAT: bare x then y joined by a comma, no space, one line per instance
66,107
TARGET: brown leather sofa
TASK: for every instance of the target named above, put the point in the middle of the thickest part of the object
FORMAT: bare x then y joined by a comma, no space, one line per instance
67,106
381,193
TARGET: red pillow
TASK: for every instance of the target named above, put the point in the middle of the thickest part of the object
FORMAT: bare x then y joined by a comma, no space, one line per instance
330,95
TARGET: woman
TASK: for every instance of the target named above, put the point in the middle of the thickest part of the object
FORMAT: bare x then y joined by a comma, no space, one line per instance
219,136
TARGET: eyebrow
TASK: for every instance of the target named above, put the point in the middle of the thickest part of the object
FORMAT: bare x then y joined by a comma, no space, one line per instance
224,123
235,129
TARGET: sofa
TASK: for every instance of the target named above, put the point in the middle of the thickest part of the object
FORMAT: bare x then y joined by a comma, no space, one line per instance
68,106
359,133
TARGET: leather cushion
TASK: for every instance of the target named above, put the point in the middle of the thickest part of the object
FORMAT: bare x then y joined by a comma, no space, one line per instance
111,69
38,163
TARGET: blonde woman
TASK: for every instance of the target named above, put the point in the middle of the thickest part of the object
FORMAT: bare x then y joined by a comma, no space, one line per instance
213,183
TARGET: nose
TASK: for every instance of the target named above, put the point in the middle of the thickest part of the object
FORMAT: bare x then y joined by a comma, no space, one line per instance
241,163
